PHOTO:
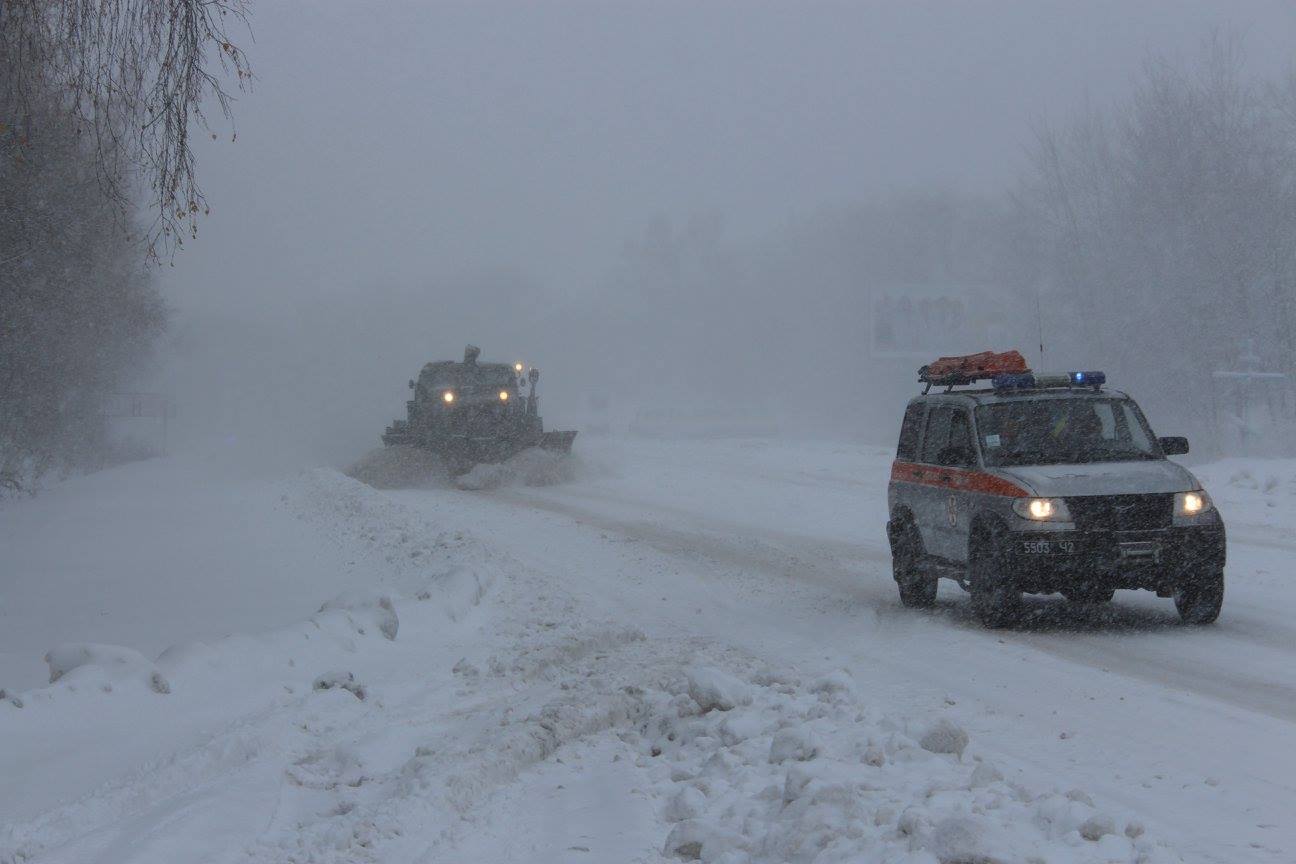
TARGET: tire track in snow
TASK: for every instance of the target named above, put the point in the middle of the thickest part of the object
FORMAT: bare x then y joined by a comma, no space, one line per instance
798,556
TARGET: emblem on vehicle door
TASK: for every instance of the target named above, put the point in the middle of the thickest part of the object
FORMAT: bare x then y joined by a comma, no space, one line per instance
951,510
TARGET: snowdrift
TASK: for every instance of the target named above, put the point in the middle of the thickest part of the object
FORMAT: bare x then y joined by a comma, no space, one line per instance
403,467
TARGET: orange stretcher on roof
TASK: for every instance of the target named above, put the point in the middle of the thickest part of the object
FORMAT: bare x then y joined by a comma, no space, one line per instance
957,371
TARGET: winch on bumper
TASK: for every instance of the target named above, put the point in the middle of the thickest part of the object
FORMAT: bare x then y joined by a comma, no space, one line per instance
1043,560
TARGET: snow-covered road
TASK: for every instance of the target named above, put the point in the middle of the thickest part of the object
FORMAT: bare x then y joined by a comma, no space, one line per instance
536,704
780,550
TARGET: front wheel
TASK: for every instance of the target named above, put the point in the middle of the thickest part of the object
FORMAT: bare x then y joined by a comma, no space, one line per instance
917,589
1200,598
996,599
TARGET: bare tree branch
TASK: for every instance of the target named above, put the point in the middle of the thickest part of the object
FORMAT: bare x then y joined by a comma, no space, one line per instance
136,74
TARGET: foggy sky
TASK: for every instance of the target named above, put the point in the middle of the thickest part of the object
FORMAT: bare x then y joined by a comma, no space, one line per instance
396,150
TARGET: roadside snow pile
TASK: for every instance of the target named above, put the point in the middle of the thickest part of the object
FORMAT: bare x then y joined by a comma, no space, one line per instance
405,467
808,774
338,680
1252,492
364,612
399,467
405,551
92,666
534,467
712,689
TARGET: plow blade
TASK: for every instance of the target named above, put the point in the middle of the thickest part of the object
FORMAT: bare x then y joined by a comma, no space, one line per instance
558,441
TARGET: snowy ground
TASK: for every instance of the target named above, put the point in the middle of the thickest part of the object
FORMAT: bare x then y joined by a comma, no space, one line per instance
683,649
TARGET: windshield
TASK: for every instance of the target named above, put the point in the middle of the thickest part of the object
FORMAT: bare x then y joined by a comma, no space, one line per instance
1064,431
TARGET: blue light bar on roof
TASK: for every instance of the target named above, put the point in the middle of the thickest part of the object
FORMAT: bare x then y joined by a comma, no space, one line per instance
1017,381
1088,379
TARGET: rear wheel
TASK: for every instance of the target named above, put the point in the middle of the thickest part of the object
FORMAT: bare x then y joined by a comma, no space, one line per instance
917,589
1089,594
996,599
1200,598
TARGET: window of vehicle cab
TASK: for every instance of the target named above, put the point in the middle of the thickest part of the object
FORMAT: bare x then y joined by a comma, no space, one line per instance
1064,431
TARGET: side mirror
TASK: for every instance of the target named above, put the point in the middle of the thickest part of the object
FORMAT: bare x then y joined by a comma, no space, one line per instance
1174,445
411,384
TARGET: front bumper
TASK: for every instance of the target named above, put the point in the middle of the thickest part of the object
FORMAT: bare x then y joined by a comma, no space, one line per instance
1044,562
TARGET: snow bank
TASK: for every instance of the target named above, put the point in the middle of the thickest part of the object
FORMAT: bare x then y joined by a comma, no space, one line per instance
1252,493
364,612
399,546
944,736
712,689
399,467
89,665
414,468
338,680
534,467
807,774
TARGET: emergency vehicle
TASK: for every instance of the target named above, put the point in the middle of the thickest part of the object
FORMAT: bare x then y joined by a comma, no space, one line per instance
1011,483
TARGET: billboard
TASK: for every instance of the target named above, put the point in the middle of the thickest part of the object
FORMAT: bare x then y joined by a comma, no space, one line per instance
919,323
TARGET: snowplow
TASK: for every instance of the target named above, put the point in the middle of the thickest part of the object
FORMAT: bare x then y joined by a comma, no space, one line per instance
473,412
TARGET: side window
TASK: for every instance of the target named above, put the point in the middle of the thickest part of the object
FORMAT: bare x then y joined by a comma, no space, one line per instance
1138,433
937,435
910,431
1107,417
960,439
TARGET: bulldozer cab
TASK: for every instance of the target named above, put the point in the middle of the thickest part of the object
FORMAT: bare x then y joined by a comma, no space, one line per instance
468,383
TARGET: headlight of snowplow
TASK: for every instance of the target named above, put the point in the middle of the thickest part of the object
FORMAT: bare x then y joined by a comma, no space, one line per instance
503,395
1042,509
448,397
1192,503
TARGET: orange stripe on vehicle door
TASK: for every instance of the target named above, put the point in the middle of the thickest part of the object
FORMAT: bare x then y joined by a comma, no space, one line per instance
956,478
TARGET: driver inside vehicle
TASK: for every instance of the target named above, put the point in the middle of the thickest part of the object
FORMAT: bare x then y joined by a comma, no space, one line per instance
1077,429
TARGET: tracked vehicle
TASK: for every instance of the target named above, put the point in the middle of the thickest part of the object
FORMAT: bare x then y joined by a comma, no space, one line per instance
474,412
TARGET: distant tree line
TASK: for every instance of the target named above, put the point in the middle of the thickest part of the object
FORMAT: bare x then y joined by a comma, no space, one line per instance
1152,239
97,102
1162,232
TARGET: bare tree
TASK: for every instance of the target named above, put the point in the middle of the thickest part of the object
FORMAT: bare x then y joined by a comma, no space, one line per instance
1166,223
135,74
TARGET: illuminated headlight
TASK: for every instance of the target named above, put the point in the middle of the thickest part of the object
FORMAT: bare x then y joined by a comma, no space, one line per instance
503,395
1192,503
1042,509
448,397
518,367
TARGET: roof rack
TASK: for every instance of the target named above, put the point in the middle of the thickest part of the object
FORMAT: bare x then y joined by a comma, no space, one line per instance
959,371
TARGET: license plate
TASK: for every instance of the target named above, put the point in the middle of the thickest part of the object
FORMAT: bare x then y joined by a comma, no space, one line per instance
1048,547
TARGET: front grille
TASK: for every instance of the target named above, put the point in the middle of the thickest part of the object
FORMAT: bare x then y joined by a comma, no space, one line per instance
1122,512
480,420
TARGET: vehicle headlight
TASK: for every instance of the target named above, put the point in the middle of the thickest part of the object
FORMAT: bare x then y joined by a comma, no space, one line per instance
1042,509
1192,503
503,395
448,396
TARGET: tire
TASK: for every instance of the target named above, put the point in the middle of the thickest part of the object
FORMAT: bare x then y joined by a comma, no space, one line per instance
917,590
996,601
1199,600
1089,594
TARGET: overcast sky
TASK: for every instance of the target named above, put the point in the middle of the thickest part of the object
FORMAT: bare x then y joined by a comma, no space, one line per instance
398,139
394,149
